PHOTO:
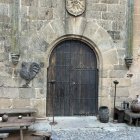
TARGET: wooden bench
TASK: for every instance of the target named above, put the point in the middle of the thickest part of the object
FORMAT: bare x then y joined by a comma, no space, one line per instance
3,136
16,122
17,111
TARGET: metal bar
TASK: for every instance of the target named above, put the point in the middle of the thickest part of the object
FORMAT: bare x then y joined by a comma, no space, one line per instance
21,132
53,89
115,82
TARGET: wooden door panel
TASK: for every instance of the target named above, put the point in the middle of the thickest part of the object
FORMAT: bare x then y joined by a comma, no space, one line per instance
73,66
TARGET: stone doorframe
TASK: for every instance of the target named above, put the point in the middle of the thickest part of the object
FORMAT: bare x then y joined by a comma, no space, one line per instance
87,31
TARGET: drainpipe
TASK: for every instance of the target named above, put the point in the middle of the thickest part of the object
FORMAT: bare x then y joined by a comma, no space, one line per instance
16,29
128,58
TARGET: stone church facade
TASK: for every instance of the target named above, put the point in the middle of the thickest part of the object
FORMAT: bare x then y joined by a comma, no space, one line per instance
33,29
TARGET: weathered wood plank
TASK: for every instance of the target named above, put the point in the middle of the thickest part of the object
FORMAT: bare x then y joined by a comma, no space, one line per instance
18,111
4,135
15,122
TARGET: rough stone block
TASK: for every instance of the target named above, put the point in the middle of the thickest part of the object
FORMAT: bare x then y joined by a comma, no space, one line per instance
8,69
109,58
118,25
104,43
120,92
1,48
33,13
45,3
107,25
115,8
6,1
94,15
106,91
90,3
24,11
113,16
117,74
59,27
26,93
121,55
123,2
4,18
93,1
24,26
6,81
39,81
120,67
59,11
75,25
41,23
40,105
106,82
4,9
5,103
105,101
99,7
30,2
10,93
40,93
2,57
38,45
21,103
45,13
104,73
110,1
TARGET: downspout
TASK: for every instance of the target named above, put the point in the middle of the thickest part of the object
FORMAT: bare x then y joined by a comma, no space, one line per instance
16,29
129,56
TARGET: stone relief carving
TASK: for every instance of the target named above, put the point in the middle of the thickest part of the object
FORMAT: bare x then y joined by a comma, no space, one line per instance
29,71
75,7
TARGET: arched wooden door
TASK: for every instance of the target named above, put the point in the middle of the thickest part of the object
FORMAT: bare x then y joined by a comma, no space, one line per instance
73,67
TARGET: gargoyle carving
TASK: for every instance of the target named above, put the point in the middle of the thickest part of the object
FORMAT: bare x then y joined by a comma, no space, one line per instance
29,71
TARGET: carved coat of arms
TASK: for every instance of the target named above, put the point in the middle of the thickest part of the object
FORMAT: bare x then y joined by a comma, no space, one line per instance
75,7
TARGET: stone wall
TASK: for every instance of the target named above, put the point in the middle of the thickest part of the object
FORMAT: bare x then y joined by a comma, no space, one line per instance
43,23
135,69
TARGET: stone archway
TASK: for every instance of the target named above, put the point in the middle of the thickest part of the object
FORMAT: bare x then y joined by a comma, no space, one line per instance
87,31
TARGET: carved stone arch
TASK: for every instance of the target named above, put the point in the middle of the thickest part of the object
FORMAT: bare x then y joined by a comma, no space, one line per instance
80,28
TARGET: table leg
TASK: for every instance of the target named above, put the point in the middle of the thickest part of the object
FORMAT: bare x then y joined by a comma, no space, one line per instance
137,121
21,132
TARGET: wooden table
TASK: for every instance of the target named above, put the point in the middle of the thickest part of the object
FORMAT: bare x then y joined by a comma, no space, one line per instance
119,114
15,122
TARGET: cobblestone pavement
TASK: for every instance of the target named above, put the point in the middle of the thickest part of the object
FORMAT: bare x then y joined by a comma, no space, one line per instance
94,134
87,128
